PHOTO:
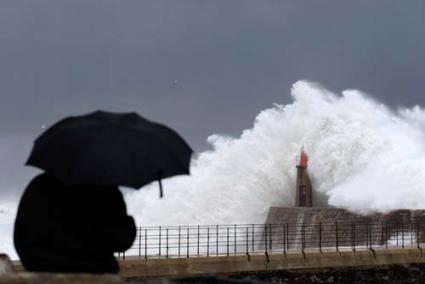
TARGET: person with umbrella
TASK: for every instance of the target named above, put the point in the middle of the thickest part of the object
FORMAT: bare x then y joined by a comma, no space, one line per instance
72,218
71,229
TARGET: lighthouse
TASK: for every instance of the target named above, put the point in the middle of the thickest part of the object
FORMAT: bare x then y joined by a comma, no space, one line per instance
303,194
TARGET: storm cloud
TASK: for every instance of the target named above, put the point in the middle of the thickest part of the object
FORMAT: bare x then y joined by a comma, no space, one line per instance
201,67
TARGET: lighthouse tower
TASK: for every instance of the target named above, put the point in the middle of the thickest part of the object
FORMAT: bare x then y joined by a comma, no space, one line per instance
303,194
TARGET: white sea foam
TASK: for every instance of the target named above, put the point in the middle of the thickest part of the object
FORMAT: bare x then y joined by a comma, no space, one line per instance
363,157
7,216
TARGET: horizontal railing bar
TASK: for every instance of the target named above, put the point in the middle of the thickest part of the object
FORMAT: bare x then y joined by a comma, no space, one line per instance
346,223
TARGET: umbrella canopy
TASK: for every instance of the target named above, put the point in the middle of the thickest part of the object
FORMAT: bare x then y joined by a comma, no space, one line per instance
104,148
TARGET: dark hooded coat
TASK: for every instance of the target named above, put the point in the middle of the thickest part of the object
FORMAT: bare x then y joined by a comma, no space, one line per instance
64,229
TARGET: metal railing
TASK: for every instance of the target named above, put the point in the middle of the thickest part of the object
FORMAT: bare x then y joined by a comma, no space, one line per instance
250,239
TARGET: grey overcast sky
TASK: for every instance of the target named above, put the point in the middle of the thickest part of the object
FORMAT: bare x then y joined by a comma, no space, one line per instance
201,67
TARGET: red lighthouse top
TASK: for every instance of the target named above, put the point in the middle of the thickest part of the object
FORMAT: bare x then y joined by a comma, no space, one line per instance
303,159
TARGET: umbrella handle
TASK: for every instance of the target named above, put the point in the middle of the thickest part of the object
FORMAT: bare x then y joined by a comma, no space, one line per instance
161,194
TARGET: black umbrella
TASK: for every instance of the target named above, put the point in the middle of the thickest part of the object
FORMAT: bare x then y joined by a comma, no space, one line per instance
104,148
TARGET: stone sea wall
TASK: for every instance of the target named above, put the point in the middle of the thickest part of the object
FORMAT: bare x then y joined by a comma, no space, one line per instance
332,226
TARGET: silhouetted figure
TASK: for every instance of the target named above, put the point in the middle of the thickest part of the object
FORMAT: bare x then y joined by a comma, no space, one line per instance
71,229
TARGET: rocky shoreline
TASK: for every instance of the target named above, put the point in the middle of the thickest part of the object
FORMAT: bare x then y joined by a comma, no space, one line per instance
410,273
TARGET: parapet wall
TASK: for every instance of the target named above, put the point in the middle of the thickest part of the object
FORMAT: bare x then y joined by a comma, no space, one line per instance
6,265
295,227
329,214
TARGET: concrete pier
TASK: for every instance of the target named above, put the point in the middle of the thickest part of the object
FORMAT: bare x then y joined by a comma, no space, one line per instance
138,269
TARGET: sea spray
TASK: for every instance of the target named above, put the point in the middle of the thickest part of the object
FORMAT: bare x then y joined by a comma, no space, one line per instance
363,157
7,216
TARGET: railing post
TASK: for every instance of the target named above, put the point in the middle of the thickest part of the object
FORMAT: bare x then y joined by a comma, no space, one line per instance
227,252
159,241
411,233
354,237
197,243
287,237
397,233
265,239
216,240
382,234
253,237
146,244
302,237
234,240
386,235
367,234
208,241
179,241
187,242
402,233
140,242
320,237
270,237
370,235
166,244
417,236
247,240
284,238
336,237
